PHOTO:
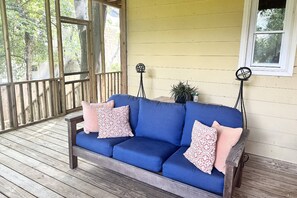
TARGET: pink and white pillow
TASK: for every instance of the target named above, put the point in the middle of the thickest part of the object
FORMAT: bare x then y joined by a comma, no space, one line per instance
201,152
90,114
227,138
114,122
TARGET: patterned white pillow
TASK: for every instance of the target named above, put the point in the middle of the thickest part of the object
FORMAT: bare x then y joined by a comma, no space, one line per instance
114,122
201,152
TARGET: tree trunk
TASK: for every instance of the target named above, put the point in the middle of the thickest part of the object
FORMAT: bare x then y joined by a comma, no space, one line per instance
29,41
97,34
80,11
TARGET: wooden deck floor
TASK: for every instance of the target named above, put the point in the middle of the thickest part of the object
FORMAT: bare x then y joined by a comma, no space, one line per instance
34,163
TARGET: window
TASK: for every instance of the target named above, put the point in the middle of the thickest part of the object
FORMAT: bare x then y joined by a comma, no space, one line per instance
268,41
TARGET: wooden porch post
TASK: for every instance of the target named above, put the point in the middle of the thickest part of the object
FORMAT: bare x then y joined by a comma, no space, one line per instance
91,66
123,29
49,39
103,69
51,59
11,100
61,62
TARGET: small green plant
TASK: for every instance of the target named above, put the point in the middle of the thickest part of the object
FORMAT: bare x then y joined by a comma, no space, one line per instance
183,92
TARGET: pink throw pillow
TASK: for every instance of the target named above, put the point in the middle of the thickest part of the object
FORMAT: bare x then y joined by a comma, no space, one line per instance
90,114
227,138
201,152
114,122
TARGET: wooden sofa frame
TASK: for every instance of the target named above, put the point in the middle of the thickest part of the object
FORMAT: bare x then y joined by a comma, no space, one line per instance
234,166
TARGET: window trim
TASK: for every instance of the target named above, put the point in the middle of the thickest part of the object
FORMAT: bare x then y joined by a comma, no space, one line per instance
289,40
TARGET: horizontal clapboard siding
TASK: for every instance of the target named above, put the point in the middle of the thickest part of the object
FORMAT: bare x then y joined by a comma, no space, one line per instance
198,42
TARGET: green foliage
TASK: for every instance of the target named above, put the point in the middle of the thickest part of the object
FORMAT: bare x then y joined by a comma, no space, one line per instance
29,40
267,46
271,19
183,91
27,35
115,67
71,47
2,55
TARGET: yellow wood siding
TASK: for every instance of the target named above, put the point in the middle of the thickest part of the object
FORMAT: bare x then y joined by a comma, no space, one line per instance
198,41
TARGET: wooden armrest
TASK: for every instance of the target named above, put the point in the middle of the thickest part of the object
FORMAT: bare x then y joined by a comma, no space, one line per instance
237,150
72,120
74,117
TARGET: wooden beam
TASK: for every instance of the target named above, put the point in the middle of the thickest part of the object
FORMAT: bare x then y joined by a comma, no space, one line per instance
151,178
45,104
73,95
37,101
123,39
51,97
9,98
116,3
74,21
31,117
102,43
6,41
23,111
59,96
61,62
13,108
99,88
1,111
90,58
49,39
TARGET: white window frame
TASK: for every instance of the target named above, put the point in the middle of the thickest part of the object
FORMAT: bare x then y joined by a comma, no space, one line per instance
288,46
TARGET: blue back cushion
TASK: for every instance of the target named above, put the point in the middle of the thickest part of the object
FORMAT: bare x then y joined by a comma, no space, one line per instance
160,121
206,114
133,102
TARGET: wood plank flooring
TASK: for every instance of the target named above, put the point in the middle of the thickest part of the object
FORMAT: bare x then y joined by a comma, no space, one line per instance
34,163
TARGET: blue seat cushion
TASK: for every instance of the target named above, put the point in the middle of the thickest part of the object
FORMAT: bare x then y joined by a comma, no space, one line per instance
101,146
145,153
133,102
206,114
160,120
177,167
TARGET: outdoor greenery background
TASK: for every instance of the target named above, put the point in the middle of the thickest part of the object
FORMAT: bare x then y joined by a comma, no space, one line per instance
29,41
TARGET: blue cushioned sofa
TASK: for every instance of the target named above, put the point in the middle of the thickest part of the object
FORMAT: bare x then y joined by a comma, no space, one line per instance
162,133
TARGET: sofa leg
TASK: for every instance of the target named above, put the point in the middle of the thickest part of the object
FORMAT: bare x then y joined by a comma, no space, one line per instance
238,181
240,170
229,181
72,161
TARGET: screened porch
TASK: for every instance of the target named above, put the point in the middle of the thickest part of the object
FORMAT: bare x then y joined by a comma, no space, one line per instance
54,54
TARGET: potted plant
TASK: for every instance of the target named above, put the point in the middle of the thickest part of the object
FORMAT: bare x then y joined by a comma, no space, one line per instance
183,92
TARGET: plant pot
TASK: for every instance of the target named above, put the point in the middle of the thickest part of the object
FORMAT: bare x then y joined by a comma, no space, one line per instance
183,99
195,99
